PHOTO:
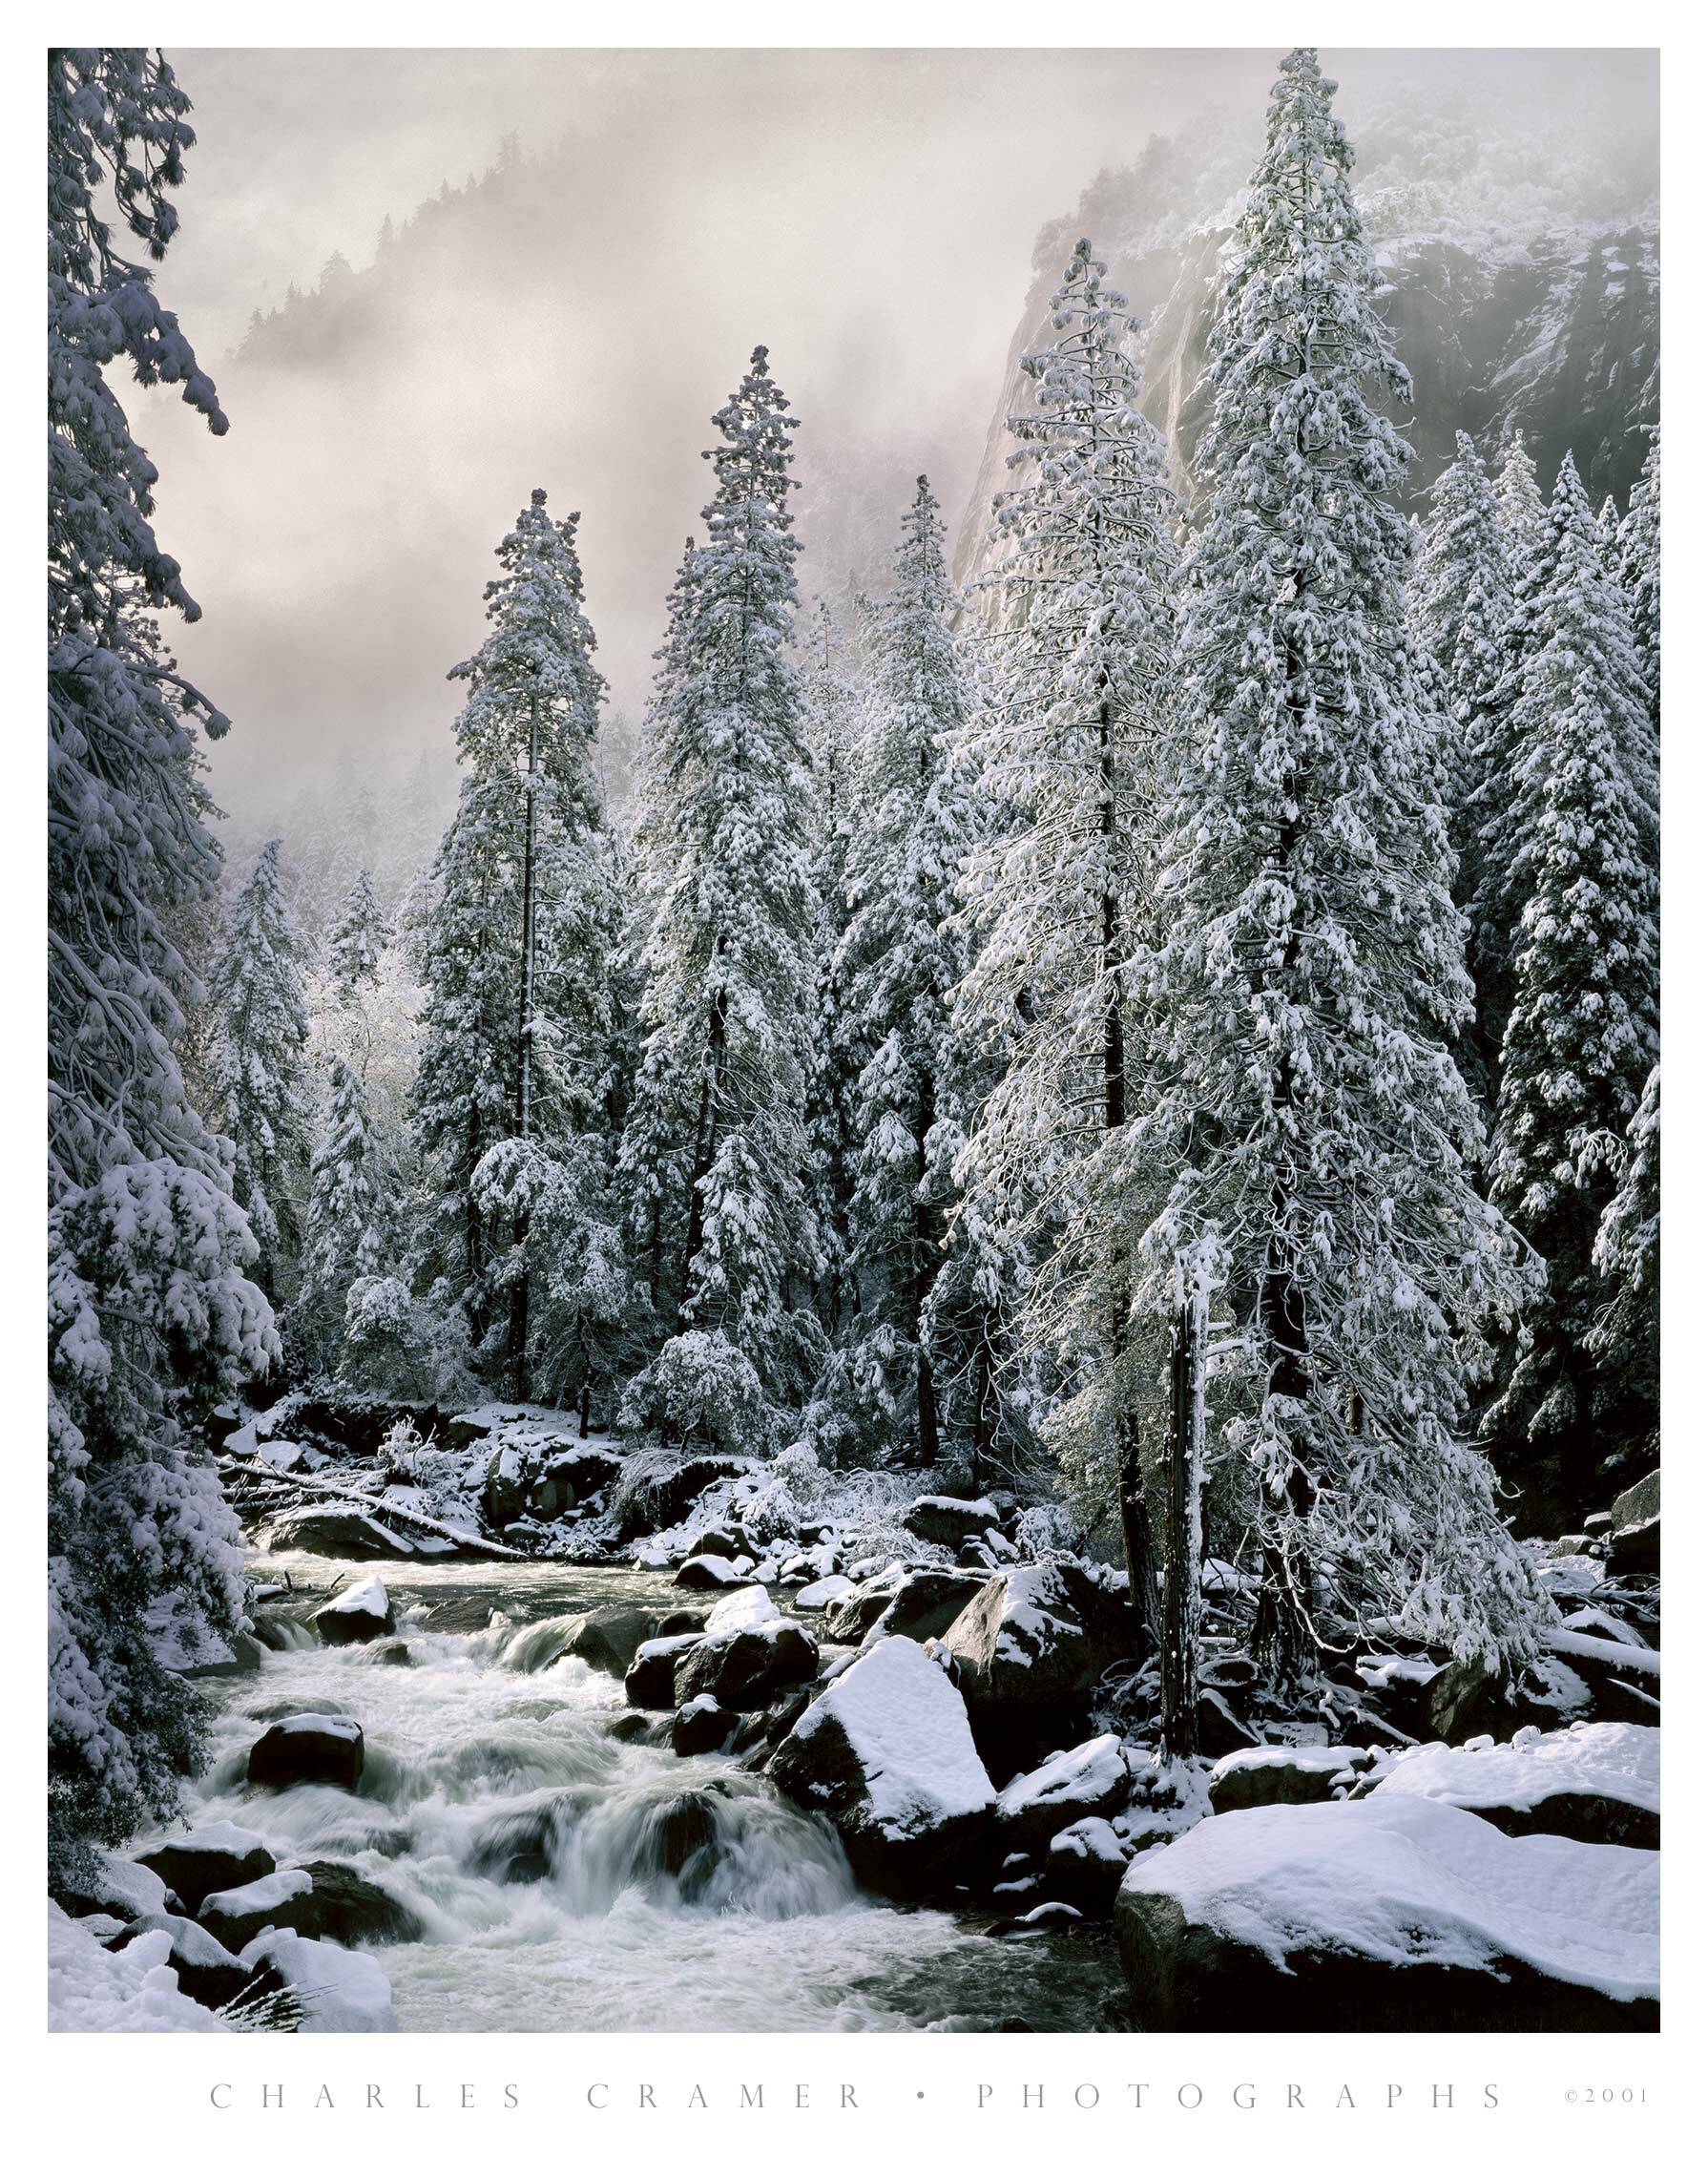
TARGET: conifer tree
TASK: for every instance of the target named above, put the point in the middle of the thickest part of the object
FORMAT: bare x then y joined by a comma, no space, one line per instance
358,942
351,1227
1072,746
728,962
1639,574
517,946
1311,974
261,1014
835,730
900,960
150,1316
1582,1038
1625,1339
1461,606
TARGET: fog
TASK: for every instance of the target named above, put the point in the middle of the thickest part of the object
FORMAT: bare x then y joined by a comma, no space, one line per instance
573,321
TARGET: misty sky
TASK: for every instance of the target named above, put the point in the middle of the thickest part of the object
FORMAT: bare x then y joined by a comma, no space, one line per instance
869,216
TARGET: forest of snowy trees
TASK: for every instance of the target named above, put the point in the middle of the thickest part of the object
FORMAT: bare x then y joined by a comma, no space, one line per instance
1172,1028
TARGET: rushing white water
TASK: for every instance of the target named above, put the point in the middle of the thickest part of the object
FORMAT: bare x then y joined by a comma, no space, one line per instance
565,1879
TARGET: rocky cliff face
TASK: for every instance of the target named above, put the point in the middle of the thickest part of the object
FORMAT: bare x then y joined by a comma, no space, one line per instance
1525,291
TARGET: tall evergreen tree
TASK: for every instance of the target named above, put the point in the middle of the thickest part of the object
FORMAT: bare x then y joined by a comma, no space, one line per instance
1311,975
1582,1036
835,729
1461,606
351,1226
260,1071
1063,887
1639,574
517,946
901,958
1625,1339
358,942
150,1316
721,1091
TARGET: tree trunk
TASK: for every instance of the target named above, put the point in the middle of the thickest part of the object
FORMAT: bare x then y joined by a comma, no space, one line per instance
1182,1551
1282,1636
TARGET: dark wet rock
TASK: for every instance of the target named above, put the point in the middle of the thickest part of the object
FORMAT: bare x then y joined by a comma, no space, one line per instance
1634,1542
950,1522
1029,1647
1466,1701
715,1573
609,1636
1085,1865
336,1529
649,1679
701,1726
521,1844
742,1671
730,1541
389,1655
681,1622
308,1749
353,1910
207,1861
680,1831
206,1971
922,1606
763,1730
630,1728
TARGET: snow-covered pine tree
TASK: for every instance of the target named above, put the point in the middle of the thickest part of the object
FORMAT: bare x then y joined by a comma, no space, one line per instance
1072,753
1639,574
261,1083
1625,1339
729,960
1583,1034
356,943
899,963
1461,605
1311,975
516,948
351,1227
150,1316
835,731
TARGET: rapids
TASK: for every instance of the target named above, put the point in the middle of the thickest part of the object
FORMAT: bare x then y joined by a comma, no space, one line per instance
564,1879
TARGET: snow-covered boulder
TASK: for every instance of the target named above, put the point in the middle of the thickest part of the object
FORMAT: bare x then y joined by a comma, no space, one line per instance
200,1862
1284,1774
749,1651
950,1522
1092,1778
1086,1863
308,1749
701,1726
337,1988
650,1679
607,1637
659,1490
347,1906
920,1603
503,1499
1400,1916
362,1613
206,1972
1599,1781
818,1595
708,1572
237,1914
135,1989
1030,1647
886,1751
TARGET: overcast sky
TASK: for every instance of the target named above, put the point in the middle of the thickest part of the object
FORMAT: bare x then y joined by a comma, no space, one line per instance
869,216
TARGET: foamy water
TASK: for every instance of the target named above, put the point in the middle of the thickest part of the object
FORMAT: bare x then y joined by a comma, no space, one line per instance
564,1879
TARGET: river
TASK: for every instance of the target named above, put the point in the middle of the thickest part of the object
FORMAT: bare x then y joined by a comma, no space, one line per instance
568,1880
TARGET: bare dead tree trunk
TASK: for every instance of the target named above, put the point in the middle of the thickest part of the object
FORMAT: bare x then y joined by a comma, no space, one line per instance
1182,1552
